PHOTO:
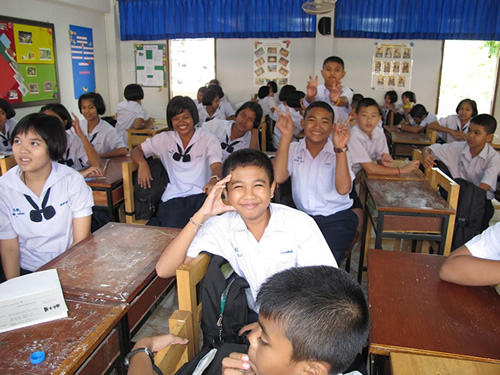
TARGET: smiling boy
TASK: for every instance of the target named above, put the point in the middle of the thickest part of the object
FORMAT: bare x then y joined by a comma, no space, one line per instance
256,237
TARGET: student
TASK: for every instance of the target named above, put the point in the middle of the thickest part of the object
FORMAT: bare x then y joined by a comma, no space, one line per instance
332,92
418,119
266,100
475,161
475,263
256,237
238,134
273,87
294,102
7,123
284,92
312,320
130,113
199,97
192,159
408,99
79,153
105,139
454,127
389,106
210,108
46,206
224,105
321,173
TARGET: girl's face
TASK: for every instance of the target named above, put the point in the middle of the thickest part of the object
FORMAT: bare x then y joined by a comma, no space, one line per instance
183,123
405,99
215,103
387,99
52,113
199,96
89,111
31,152
245,120
3,117
465,111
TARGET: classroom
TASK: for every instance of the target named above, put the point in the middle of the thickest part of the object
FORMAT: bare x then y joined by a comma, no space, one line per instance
406,212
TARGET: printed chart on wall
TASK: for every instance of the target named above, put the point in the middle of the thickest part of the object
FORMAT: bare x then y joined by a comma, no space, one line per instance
271,62
27,62
151,64
82,58
392,66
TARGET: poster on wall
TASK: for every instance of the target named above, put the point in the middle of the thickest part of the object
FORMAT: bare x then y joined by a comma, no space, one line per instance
271,62
151,65
392,66
82,58
28,68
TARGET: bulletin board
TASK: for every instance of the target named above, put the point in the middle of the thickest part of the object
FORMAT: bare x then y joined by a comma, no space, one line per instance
151,65
28,62
271,61
392,66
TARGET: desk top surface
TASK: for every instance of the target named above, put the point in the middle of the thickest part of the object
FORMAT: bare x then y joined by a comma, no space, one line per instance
113,264
67,342
407,196
408,138
413,311
113,174
157,127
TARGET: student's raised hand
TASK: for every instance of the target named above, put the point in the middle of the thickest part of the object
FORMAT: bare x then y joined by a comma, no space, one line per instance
144,177
92,172
335,93
459,135
341,133
213,204
76,126
285,124
386,159
410,167
312,88
236,364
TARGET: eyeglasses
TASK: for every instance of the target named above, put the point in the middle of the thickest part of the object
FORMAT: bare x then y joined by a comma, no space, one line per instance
48,212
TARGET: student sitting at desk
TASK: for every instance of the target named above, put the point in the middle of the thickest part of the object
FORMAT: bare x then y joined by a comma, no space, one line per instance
210,109
238,134
321,173
7,123
294,103
45,206
475,263
225,105
105,139
192,159
418,119
256,237
454,128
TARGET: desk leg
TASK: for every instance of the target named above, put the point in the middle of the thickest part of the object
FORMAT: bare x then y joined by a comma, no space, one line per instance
444,233
125,344
379,231
377,364
365,242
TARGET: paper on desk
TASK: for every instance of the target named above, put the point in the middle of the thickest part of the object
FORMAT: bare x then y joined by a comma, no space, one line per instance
31,299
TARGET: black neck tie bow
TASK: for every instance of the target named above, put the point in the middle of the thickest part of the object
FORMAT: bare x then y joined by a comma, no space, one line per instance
48,212
186,158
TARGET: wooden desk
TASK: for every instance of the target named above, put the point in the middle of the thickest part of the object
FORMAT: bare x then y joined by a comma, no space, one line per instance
137,136
403,143
413,311
117,264
403,210
88,340
404,363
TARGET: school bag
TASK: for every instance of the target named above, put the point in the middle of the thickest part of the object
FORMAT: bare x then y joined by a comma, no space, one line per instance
146,201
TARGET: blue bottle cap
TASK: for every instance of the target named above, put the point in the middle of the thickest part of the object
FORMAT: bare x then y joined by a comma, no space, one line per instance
37,357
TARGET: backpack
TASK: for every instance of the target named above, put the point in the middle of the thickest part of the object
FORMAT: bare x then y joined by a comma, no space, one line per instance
146,201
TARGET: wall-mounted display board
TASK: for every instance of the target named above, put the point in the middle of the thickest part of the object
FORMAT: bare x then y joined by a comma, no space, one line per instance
82,57
392,66
151,65
271,61
28,67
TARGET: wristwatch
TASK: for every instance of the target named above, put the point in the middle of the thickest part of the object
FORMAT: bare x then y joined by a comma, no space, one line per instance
340,150
141,350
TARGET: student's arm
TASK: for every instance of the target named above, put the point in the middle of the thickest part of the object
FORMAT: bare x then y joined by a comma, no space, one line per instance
92,155
139,123
312,89
216,169
461,267
254,140
144,173
412,129
372,168
91,171
341,135
121,151
459,135
428,158
280,163
175,253
9,250
336,97
81,228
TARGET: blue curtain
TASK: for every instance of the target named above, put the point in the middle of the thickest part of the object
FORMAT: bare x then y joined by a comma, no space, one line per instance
418,19
175,19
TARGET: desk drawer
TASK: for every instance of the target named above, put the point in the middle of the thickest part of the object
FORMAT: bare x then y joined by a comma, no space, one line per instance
103,357
420,224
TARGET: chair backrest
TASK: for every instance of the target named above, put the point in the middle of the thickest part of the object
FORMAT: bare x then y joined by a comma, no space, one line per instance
6,164
263,134
188,277
128,168
417,155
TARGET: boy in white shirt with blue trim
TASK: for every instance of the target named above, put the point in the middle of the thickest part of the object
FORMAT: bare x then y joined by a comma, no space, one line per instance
418,119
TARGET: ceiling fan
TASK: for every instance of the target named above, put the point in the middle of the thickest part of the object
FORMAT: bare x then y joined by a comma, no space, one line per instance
319,6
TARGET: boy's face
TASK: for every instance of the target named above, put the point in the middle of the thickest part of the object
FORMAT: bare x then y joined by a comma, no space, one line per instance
368,118
332,73
477,137
317,125
418,120
250,192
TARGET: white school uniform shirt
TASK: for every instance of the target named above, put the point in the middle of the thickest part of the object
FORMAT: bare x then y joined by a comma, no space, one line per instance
313,180
75,155
185,178
222,130
291,239
297,127
266,104
204,117
104,137
431,117
199,105
452,122
484,168
364,149
39,242
5,138
226,107
487,244
127,113
324,96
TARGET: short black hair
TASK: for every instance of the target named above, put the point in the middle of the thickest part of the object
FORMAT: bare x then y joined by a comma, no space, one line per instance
321,310
209,96
248,157
7,108
410,95
177,105
334,59
367,102
255,107
61,111
47,127
203,89
488,122
418,111
293,99
133,92
263,92
94,98
273,86
358,97
214,82
472,104
217,89
285,91
393,96
320,104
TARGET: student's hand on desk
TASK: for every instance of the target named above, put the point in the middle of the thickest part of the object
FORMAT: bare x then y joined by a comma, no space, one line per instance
312,87
428,160
150,121
285,123
157,343
213,204
92,172
410,167
341,133
460,136
236,364
386,159
144,177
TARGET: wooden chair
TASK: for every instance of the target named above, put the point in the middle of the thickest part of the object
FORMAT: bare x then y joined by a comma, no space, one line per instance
6,164
128,168
263,134
432,134
417,155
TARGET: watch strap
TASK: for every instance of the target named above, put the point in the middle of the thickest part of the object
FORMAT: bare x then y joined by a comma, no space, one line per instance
338,150
142,350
